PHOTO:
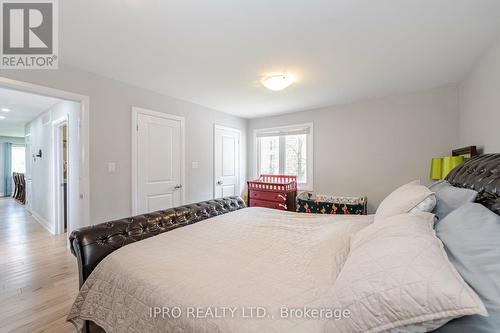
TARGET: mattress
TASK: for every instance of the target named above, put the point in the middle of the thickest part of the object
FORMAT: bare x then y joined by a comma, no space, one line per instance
252,270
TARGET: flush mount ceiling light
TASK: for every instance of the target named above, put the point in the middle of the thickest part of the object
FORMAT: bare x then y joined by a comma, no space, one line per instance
5,110
277,82
2,117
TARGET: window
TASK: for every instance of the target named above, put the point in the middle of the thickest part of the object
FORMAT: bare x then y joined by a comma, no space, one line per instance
18,156
286,150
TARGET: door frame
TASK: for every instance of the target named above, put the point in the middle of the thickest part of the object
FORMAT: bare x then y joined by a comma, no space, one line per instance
231,129
58,174
83,201
135,113
27,137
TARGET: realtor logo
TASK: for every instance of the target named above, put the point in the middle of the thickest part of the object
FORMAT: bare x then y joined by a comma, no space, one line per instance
29,34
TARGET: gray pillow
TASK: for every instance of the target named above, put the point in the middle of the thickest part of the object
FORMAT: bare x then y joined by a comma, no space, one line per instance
439,184
450,197
471,235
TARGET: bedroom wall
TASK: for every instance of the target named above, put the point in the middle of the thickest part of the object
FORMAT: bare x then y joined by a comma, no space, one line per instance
110,135
371,147
479,98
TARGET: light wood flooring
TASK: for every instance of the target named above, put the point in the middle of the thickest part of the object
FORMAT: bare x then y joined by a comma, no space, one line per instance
38,274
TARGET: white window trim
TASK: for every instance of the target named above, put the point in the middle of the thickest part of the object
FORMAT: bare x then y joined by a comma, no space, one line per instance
309,186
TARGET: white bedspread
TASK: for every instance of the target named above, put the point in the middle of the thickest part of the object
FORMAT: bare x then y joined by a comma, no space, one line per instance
217,270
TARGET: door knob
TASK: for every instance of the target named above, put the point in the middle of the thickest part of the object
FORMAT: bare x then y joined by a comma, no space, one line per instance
178,186
220,182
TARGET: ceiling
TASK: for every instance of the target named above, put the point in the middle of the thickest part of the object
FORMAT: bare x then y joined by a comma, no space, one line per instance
215,53
24,107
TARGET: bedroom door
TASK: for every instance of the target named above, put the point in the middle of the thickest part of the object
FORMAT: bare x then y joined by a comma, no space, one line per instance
158,160
226,161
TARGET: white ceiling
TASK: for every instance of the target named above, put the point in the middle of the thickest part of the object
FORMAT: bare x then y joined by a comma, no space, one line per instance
24,107
214,53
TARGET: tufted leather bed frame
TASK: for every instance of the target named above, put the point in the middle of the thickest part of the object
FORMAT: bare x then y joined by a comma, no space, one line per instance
92,244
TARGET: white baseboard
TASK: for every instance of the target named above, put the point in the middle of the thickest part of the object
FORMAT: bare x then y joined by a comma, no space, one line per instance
43,222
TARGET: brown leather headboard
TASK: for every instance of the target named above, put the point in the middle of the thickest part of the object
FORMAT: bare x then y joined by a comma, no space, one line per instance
480,173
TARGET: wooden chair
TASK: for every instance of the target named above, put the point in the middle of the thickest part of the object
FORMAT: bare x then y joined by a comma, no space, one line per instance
16,188
19,187
22,188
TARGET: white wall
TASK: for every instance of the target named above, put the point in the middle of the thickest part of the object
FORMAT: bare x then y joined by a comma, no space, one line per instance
40,170
4,139
370,148
110,135
365,148
479,97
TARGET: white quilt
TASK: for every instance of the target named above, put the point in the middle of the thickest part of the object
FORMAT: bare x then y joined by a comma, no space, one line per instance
245,271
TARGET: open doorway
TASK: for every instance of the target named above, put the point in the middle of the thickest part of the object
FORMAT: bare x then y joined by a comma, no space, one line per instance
43,138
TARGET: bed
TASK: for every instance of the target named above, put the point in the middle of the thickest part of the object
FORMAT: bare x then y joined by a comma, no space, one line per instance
221,260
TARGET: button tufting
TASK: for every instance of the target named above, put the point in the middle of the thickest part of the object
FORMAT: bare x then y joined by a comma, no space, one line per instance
112,235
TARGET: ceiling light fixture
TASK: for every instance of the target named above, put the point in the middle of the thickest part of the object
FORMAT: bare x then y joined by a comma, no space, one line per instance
2,117
5,110
277,82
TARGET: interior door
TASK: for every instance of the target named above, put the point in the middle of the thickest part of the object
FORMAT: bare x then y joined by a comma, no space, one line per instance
227,162
159,162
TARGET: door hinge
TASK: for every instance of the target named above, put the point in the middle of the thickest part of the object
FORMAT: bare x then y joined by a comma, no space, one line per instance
137,128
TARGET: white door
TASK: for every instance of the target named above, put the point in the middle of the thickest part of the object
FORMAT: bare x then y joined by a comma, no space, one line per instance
227,161
158,161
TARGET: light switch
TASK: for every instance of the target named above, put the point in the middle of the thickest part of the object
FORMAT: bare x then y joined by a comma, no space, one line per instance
194,165
111,167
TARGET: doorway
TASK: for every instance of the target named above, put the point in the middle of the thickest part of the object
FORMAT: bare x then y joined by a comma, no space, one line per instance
61,173
41,148
226,161
157,161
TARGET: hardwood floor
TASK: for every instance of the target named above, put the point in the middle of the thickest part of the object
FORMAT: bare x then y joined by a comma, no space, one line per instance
38,275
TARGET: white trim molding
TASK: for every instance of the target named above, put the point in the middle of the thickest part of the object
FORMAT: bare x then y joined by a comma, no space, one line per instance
84,139
135,112
282,131
43,222
58,175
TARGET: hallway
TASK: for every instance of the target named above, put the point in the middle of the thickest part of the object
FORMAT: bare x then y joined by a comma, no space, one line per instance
38,274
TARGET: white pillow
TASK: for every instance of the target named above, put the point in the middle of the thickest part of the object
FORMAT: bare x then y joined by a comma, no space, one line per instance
397,277
403,200
426,206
